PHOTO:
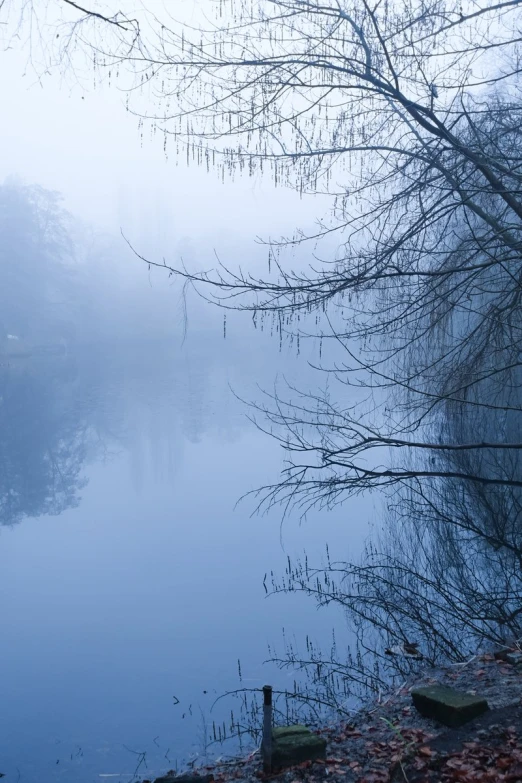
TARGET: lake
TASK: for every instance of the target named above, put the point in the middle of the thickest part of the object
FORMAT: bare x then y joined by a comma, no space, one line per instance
132,584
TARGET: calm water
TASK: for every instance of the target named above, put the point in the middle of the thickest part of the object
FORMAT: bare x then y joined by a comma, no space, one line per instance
128,576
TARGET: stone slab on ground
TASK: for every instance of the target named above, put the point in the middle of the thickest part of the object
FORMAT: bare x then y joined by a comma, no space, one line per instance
513,657
448,706
295,744
491,732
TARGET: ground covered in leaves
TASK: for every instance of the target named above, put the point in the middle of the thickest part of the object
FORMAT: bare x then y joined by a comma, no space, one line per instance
389,742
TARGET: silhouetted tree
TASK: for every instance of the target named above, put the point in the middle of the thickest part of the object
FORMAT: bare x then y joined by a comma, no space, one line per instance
35,262
406,118
401,117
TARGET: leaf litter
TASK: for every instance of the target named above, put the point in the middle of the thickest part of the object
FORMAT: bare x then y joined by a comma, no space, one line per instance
389,742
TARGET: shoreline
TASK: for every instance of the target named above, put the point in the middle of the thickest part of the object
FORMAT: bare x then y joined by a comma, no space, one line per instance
382,735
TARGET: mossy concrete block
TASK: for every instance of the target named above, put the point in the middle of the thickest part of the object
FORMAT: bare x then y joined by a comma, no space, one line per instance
294,744
448,706
287,731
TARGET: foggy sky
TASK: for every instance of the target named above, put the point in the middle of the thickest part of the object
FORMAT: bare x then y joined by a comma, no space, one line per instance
81,141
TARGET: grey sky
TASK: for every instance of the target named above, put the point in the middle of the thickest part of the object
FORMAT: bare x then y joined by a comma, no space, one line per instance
83,143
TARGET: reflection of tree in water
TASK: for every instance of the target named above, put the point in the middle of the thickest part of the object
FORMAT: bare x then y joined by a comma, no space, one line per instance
43,446
66,293
58,415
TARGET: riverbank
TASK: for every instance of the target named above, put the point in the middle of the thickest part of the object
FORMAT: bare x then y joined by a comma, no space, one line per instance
389,741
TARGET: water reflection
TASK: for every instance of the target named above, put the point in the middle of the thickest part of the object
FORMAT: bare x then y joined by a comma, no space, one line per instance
59,414
146,583
44,443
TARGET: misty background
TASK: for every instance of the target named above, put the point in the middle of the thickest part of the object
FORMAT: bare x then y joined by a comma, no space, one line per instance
128,573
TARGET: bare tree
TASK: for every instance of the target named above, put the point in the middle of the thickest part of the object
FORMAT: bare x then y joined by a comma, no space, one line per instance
406,119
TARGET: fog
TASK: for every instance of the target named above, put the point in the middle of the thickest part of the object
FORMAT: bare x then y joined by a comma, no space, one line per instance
128,574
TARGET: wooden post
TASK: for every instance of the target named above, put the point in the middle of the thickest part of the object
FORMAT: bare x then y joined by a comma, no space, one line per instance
266,744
